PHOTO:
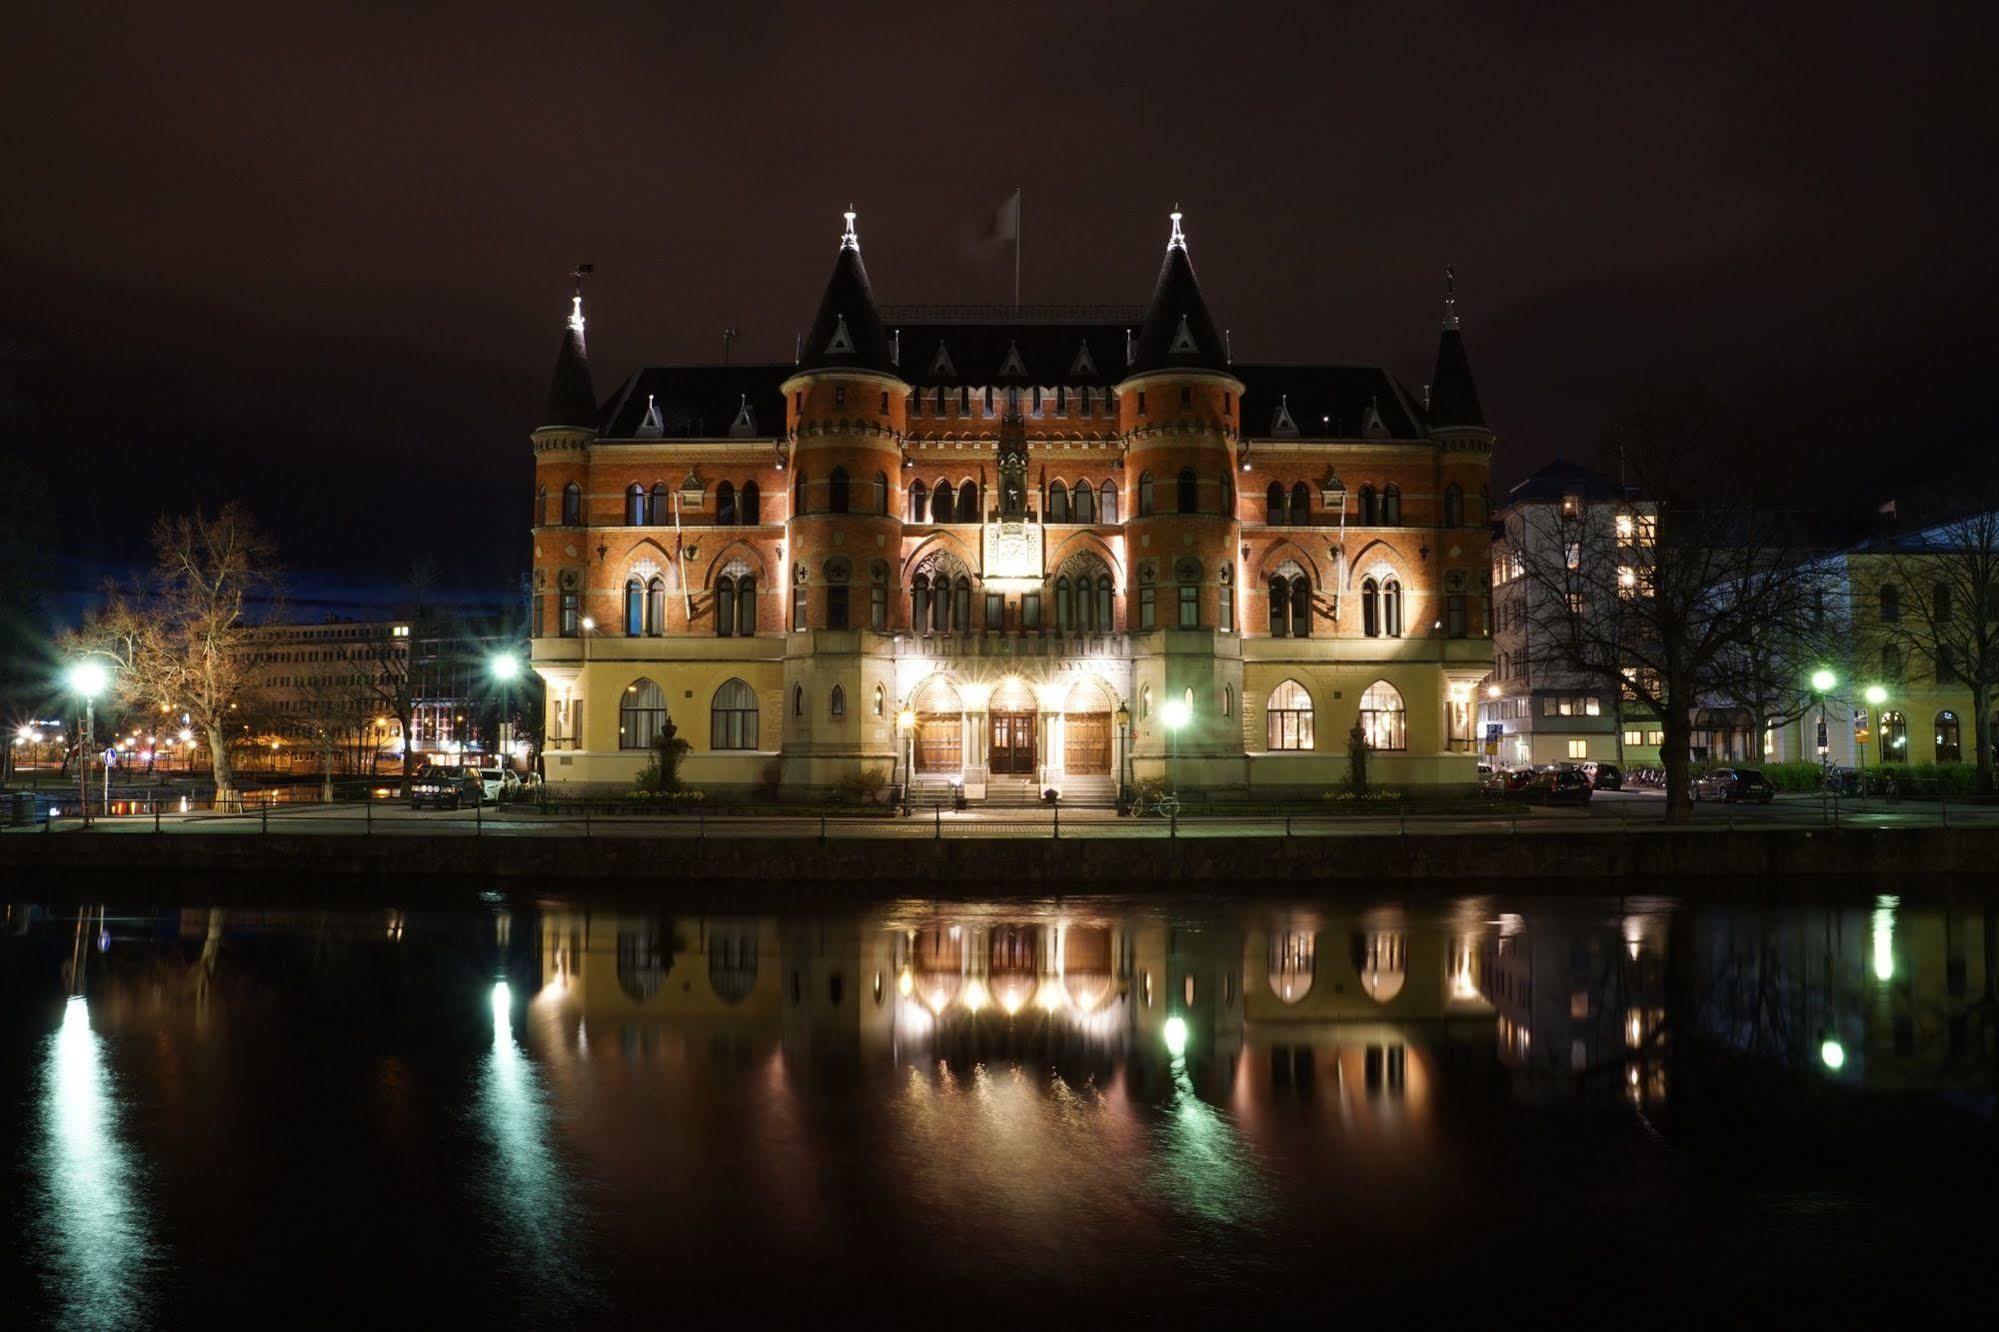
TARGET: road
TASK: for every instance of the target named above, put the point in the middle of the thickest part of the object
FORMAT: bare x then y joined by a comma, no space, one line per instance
1609,812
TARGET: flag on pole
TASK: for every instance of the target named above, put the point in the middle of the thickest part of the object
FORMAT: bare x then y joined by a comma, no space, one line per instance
1006,221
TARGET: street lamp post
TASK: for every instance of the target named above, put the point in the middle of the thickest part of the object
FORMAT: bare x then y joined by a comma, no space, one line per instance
88,679
905,725
1175,714
1876,696
1823,681
1124,755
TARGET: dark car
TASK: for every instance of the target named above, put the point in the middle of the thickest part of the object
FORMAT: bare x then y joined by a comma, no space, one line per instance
1560,784
444,787
1734,784
1507,784
1604,776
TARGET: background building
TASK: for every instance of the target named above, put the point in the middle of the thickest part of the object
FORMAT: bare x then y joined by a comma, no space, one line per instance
994,546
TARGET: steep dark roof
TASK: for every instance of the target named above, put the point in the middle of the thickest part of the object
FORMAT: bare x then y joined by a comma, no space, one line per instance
699,401
850,302
571,399
1453,395
1048,352
1325,401
1176,304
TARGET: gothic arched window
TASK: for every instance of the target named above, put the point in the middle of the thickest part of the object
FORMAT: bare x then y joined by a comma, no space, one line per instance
1370,608
940,503
1454,505
635,506
635,614
1391,608
641,715
919,502
1145,494
1368,515
725,504
1189,491
1274,512
1391,506
1085,503
1301,505
836,491
732,717
572,505
1108,498
749,505
656,605
1058,502
881,494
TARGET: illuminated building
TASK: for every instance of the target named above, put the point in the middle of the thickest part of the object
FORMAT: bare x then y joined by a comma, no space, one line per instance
1015,528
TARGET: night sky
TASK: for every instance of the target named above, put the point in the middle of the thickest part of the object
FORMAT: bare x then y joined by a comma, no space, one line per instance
316,257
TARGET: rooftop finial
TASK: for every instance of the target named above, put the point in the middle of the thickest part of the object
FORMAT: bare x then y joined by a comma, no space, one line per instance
1450,298
852,240
581,272
1178,240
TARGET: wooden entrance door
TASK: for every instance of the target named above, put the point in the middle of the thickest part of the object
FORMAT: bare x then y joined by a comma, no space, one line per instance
1086,748
1012,744
939,743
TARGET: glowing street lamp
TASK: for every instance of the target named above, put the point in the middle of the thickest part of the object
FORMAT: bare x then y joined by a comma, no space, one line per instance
1175,1033
505,666
87,679
1875,696
1823,681
1175,714
1832,1054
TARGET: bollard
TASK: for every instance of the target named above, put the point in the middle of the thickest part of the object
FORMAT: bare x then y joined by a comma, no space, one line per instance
156,813
938,811
1173,825
1058,820
1287,823
1405,821
264,814
822,827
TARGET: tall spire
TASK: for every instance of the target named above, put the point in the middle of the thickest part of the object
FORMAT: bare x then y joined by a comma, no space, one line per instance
847,334
572,400
1178,332
1453,394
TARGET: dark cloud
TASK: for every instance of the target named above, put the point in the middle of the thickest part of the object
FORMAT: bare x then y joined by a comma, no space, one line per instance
314,256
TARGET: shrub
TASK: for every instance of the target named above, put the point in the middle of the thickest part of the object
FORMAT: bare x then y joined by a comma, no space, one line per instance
862,787
662,775
1797,775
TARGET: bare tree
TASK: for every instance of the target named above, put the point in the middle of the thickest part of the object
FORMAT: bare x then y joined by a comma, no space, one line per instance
1945,613
180,637
394,662
1694,589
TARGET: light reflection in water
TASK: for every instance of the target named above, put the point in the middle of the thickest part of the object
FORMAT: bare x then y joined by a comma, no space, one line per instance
92,1224
1205,1169
526,1192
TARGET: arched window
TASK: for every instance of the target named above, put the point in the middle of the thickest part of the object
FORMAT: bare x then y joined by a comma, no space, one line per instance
1228,700
1103,620
1086,503
1293,960
725,606
1287,716
961,605
878,596
1370,608
1391,608
635,608
746,605
798,700
1225,599
1065,604
836,491
1108,496
661,510
1391,506
1058,502
656,606
1301,505
881,702
1189,491
881,494
635,506
572,505
919,502
641,715
798,493
1949,747
1891,603
1301,606
1368,512
1280,606
940,503
732,717
725,504
1274,512
919,603
1382,718
1454,505
1145,495
749,504
1894,738
837,573
836,702
541,507
971,501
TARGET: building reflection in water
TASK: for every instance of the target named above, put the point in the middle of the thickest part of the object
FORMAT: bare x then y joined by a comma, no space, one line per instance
92,1221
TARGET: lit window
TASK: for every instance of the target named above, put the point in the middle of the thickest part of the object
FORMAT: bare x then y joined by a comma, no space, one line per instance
1288,717
1578,749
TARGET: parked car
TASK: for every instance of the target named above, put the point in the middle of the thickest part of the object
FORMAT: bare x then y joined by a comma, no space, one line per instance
1734,784
1559,784
498,782
1507,784
1604,776
443,786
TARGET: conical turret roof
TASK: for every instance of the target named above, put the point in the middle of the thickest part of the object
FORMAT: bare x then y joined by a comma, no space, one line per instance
847,333
1453,395
572,400
1178,332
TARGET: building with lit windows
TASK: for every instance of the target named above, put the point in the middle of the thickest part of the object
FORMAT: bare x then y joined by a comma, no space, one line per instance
1005,549
1532,711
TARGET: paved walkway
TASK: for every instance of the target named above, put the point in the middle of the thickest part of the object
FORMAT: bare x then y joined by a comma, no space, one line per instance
1610,812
